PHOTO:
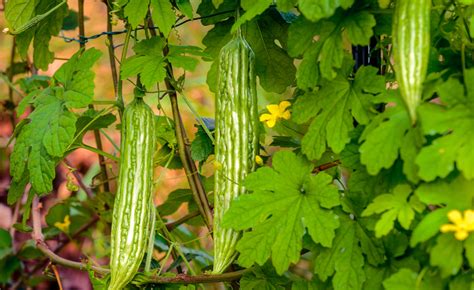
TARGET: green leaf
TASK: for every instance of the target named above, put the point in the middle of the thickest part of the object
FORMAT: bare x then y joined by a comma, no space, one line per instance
447,254
41,33
394,206
307,75
273,66
62,128
391,135
148,62
286,5
395,244
185,7
376,276
454,122
202,146
333,107
332,55
359,27
285,200
164,130
174,201
71,21
217,3
29,251
462,282
455,194
179,56
135,11
370,246
300,36
17,187
52,126
264,278
19,12
469,248
252,9
5,244
163,15
226,10
429,226
344,258
93,120
316,10
77,78
402,280
9,265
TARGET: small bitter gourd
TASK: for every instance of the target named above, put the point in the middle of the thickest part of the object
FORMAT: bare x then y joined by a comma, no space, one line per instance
236,139
411,48
131,224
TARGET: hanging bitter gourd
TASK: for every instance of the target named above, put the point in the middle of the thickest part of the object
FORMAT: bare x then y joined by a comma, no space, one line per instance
236,139
411,48
131,223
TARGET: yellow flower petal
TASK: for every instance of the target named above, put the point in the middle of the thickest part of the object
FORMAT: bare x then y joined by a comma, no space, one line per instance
286,115
448,228
271,123
455,216
64,226
265,117
259,160
461,235
273,109
469,219
283,105
469,216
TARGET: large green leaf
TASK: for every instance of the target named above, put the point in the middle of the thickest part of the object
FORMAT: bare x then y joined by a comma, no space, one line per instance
285,201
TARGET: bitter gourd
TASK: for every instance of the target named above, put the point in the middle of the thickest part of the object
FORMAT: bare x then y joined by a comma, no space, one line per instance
131,224
411,48
236,139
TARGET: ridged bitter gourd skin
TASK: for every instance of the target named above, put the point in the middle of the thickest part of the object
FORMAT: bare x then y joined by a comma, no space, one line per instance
411,48
131,224
236,139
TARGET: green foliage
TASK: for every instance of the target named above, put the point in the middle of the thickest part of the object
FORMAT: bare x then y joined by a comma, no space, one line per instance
454,116
359,202
19,13
202,146
149,61
51,129
273,66
332,107
285,201
395,206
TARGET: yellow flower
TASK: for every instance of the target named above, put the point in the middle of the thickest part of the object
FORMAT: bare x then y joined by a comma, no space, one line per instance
461,226
64,226
259,160
276,112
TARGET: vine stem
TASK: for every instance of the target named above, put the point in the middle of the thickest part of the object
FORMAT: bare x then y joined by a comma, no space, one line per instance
58,278
204,278
195,182
100,153
326,166
189,167
37,235
110,48
98,141
10,77
172,225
